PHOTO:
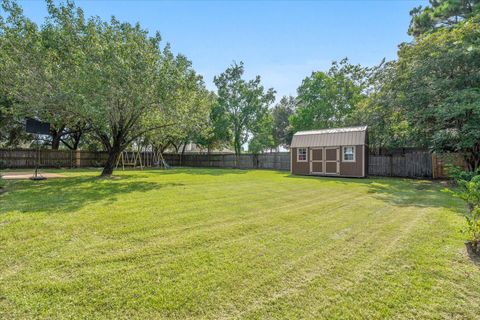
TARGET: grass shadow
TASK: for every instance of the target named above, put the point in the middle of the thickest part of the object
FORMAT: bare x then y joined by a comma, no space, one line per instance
72,193
418,193
401,192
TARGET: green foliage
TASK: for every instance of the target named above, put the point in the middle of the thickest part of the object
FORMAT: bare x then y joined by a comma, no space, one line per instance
438,80
388,126
185,102
106,77
281,112
440,14
217,134
12,130
262,133
468,189
328,99
40,66
241,104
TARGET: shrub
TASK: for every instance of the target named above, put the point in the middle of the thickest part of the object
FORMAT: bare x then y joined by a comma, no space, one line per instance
468,189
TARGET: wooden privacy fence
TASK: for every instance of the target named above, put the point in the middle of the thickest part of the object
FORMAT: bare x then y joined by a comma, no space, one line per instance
276,160
414,164
25,158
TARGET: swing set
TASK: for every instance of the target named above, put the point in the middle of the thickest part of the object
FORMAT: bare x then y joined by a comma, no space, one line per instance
135,160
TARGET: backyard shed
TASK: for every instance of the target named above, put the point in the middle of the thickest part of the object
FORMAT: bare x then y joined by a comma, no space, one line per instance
330,152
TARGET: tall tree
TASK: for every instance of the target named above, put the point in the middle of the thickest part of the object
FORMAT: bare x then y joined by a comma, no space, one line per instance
439,77
441,14
186,100
388,126
40,66
328,99
121,85
12,130
262,134
281,112
241,103
217,134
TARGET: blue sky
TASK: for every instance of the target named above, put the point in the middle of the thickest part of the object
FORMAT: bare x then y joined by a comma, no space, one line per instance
282,41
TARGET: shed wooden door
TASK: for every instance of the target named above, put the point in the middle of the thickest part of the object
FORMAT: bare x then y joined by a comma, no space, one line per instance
316,161
332,161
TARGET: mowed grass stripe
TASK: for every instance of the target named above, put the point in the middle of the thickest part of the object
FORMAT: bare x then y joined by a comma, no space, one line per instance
205,243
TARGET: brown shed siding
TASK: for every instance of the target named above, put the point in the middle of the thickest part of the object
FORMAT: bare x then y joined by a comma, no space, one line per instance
331,153
353,169
325,152
347,169
301,168
317,166
317,154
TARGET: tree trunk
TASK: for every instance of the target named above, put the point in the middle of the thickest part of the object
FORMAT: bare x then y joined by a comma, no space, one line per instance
57,137
473,161
183,152
76,139
237,147
113,155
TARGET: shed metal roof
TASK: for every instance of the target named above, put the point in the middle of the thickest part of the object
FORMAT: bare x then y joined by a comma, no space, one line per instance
350,136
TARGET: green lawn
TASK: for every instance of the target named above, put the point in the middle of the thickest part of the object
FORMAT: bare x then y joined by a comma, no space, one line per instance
206,243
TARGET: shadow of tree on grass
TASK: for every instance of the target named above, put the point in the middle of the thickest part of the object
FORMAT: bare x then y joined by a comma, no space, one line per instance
418,193
400,191
72,193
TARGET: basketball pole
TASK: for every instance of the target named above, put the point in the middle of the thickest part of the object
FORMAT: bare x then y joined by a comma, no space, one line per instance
36,176
36,157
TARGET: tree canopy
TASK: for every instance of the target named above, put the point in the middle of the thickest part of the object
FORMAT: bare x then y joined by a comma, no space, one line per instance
441,14
328,99
109,76
242,105
439,77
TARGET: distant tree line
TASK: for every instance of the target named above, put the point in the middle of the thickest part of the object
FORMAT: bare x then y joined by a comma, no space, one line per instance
108,85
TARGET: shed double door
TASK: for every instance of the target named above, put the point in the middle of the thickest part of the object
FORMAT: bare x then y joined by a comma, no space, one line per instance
325,160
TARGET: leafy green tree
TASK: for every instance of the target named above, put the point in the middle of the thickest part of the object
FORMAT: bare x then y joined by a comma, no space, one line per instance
40,66
388,126
121,85
440,14
187,102
12,129
217,134
328,99
439,81
262,134
242,104
281,112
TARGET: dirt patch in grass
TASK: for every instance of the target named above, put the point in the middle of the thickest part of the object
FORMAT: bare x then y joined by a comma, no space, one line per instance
28,175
